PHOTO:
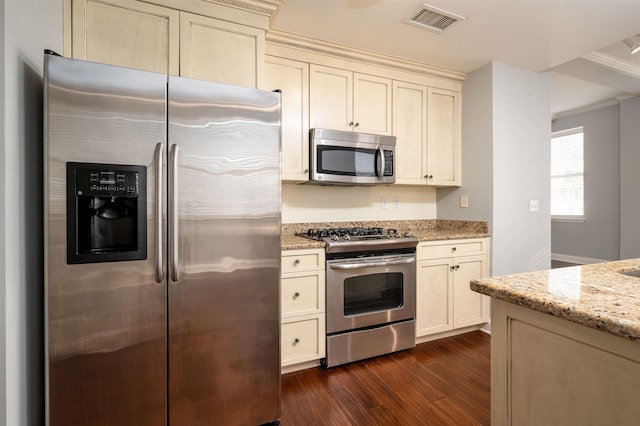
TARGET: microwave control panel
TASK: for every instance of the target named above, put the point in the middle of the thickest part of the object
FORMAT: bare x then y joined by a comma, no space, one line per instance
388,163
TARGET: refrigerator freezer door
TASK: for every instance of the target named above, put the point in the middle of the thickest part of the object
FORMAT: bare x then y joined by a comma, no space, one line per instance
224,361
105,322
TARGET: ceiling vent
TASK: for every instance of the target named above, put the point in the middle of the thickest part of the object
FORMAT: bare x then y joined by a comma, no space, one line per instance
433,19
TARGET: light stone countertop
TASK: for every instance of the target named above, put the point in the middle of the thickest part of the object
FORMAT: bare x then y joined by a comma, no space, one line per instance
597,296
425,230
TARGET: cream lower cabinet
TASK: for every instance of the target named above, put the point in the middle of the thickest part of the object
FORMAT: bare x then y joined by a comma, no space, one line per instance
292,78
444,300
302,339
344,100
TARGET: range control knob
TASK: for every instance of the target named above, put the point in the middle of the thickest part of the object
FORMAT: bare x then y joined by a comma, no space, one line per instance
346,237
334,237
406,234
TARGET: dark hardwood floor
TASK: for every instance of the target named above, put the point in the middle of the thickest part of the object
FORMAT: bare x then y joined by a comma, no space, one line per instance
445,382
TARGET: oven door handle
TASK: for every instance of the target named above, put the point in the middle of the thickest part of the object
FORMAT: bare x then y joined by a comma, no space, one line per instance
372,264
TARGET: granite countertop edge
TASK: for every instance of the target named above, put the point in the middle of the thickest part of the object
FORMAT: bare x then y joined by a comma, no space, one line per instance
597,296
425,230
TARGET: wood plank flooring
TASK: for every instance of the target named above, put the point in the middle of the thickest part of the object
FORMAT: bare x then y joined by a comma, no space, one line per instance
445,382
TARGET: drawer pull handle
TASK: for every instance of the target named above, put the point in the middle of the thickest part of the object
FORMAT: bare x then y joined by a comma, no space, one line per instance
296,294
296,341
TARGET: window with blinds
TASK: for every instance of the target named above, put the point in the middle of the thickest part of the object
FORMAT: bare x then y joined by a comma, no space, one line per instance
567,174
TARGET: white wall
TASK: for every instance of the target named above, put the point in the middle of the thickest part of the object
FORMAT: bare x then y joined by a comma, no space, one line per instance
314,203
630,178
477,153
598,237
505,139
3,269
521,159
30,26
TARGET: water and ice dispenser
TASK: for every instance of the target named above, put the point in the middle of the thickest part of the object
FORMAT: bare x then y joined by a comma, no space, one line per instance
106,212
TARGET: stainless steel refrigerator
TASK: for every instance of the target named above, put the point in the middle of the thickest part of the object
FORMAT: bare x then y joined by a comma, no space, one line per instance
162,264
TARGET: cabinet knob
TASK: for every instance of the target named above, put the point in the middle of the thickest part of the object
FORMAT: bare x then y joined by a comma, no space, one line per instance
350,123
457,267
452,267
296,341
296,262
306,171
453,249
357,124
296,294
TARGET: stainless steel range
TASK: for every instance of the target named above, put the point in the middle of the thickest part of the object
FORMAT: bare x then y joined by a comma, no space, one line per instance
370,292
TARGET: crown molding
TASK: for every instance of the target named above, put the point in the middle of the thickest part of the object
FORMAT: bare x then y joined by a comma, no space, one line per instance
268,8
312,45
613,63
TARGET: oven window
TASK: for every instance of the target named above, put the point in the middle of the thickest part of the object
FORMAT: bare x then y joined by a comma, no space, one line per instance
372,293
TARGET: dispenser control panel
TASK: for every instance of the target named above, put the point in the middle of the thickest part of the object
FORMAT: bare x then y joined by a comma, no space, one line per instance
107,182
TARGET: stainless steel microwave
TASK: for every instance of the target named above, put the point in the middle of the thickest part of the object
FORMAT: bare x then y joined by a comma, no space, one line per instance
349,158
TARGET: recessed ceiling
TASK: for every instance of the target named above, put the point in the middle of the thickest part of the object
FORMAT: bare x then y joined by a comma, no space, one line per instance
536,35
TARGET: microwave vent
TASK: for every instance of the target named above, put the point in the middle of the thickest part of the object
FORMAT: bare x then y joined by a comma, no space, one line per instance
434,19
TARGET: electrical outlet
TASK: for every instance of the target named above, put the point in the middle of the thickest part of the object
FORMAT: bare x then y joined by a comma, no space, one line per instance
464,201
534,207
383,203
396,202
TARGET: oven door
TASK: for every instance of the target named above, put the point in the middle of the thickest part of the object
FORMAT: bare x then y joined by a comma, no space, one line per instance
370,291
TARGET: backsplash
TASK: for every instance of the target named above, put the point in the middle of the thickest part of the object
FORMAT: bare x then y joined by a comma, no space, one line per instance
309,203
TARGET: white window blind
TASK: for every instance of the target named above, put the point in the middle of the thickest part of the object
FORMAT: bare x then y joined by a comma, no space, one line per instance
567,173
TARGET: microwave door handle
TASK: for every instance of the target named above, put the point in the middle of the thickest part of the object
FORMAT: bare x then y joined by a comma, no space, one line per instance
372,264
381,164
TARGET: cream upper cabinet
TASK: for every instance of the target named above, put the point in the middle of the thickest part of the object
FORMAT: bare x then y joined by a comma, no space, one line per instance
126,33
221,51
410,130
292,78
372,104
444,138
142,35
343,100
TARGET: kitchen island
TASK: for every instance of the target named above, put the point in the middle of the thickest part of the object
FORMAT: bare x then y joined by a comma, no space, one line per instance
565,345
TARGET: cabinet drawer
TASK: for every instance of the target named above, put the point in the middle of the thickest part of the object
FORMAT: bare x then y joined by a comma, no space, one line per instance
302,339
302,294
435,250
302,260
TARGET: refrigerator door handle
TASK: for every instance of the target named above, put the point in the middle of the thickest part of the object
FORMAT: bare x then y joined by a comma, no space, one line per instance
159,154
173,212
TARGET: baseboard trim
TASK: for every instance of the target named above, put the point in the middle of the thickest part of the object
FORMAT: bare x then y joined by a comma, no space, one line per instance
576,259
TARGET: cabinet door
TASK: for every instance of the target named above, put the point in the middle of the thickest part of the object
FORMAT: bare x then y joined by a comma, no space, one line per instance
221,51
371,104
292,77
410,130
443,137
470,308
126,33
330,98
434,297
